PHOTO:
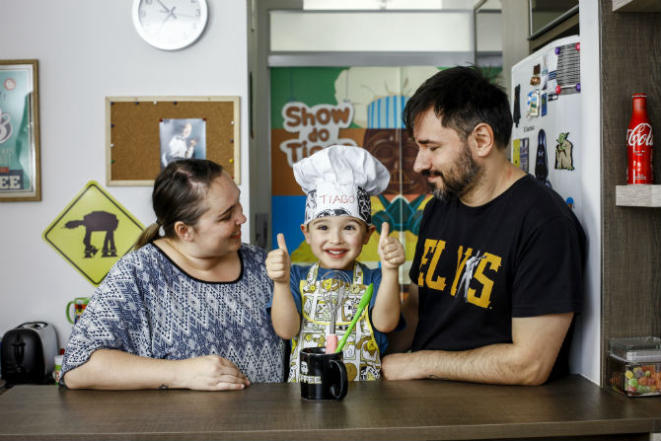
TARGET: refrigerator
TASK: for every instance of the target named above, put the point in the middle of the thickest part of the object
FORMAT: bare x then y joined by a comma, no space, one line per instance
546,108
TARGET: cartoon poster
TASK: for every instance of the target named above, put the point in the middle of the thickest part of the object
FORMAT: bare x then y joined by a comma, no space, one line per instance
314,108
18,129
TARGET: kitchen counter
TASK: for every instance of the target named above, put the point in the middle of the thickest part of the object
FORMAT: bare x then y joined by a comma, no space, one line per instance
570,408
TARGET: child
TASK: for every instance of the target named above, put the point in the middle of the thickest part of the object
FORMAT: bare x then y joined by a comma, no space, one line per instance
338,182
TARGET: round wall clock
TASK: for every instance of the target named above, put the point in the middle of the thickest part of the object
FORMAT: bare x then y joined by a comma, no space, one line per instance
170,24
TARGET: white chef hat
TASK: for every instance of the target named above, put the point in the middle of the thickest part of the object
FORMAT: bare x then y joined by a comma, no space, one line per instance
339,181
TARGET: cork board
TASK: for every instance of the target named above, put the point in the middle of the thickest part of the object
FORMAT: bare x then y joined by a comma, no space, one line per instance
136,130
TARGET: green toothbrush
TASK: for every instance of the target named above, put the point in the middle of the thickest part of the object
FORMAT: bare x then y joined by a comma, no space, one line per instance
364,301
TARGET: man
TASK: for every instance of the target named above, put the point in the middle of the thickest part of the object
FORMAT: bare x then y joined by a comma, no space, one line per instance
499,262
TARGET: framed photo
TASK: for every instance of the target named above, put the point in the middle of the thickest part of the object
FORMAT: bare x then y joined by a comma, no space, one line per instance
20,177
145,134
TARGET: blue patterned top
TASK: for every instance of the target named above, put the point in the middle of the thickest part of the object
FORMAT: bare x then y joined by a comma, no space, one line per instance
149,307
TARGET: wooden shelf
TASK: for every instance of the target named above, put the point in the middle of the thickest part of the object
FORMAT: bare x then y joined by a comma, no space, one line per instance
638,195
636,6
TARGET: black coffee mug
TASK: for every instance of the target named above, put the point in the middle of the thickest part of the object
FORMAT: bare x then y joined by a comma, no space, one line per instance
322,376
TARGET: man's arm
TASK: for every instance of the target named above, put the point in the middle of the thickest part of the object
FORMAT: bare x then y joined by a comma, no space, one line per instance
111,369
528,360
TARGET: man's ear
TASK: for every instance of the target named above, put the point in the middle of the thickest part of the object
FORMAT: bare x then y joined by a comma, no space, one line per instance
482,139
183,231
306,232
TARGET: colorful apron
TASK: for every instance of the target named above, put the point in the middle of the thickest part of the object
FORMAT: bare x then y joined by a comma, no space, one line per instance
361,352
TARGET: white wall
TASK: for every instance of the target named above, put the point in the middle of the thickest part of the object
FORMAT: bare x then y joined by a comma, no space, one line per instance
88,50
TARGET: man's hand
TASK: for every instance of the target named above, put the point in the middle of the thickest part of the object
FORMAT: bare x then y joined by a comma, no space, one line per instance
390,249
278,262
213,373
399,367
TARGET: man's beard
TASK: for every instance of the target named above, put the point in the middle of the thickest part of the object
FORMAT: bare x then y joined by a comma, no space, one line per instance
457,179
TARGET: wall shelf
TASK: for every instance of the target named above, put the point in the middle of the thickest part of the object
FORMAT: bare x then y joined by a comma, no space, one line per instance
638,195
636,6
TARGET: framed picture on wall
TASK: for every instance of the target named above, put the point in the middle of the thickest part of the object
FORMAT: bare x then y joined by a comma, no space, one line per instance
20,178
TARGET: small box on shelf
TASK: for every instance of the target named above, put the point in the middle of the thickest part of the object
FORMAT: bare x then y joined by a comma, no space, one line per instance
634,366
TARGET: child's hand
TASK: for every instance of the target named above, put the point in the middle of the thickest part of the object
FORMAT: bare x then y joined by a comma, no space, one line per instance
391,250
278,262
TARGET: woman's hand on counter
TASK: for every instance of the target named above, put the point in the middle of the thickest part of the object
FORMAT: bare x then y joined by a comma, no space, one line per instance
211,372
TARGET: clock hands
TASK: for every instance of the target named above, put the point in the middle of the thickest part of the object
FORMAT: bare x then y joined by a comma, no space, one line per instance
170,14
187,16
164,7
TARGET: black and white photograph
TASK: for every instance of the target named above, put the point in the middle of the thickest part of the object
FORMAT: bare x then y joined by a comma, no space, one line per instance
182,139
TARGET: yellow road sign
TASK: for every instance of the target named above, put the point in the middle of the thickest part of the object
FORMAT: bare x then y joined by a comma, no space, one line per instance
93,232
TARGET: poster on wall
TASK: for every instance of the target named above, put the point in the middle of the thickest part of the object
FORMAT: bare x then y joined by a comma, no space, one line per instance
314,108
19,131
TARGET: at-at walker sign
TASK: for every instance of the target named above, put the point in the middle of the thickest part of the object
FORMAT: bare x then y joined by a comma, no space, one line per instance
318,127
97,221
93,222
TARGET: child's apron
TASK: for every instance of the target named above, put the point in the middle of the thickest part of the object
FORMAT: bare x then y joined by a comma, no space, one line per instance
361,352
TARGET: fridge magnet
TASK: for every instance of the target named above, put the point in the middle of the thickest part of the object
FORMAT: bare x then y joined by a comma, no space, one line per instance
523,154
516,152
545,73
541,164
570,202
535,80
516,113
566,78
533,103
520,153
544,104
563,153
20,178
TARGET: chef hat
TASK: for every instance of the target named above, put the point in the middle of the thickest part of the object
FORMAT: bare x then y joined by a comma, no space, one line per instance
339,181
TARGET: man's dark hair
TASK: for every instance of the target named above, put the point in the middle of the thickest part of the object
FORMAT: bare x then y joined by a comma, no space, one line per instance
462,97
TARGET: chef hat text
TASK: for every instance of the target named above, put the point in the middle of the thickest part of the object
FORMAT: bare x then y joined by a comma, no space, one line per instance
339,181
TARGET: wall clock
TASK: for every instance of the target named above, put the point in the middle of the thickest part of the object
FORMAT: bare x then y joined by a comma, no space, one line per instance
170,24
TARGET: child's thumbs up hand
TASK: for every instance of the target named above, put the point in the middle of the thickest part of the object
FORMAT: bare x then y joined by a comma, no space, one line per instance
278,262
391,250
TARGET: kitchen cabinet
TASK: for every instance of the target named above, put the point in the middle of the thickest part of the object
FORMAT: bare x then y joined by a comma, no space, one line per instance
630,33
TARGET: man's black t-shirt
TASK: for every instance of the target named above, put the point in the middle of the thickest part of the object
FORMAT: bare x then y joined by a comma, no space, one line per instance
520,255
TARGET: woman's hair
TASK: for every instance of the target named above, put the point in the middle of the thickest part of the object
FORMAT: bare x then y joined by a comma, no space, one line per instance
463,96
179,193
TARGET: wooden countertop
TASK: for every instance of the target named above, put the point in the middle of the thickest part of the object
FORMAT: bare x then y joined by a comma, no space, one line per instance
383,410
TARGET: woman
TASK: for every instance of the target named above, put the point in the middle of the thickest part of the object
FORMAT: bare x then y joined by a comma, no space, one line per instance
187,308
